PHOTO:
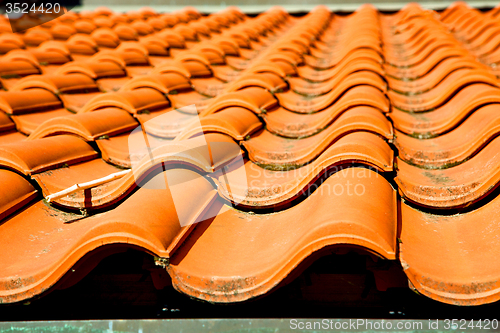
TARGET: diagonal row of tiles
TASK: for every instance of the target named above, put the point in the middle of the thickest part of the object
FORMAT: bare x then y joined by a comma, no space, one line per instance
299,126
444,104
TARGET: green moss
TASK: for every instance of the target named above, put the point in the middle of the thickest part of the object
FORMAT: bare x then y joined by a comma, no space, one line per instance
10,76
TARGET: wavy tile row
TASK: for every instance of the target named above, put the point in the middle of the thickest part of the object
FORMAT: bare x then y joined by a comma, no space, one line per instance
210,123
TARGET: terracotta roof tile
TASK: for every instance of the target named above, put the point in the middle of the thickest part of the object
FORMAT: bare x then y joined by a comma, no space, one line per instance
263,187
432,79
35,37
455,186
84,26
21,193
305,104
94,69
57,84
449,115
124,224
133,101
82,44
287,112
22,102
240,252
40,155
454,147
27,123
62,31
440,94
89,126
5,123
290,124
252,98
236,122
466,241
10,42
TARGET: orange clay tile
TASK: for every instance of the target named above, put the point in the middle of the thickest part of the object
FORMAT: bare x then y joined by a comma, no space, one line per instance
155,46
22,55
20,193
164,83
455,146
290,124
448,116
221,151
243,266
433,78
134,101
280,69
58,179
263,188
85,27
27,123
414,57
430,37
142,28
56,84
75,101
174,39
466,270
94,70
10,42
266,148
309,88
18,68
82,44
62,31
306,100
485,34
116,149
11,136
188,98
442,92
173,66
40,155
318,76
254,99
196,67
305,104
330,62
236,122
121,58
489,48
88,126
5,123
268,81
35,37
456,186
225,73
72,237
210,86
103,22
50,57
157,23
239,63
21,63
21,102
165,124
105,37
426,66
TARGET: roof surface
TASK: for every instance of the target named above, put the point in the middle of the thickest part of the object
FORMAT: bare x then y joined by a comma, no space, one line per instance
234,148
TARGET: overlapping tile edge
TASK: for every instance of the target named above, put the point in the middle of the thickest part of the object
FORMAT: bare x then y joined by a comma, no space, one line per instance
299,111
